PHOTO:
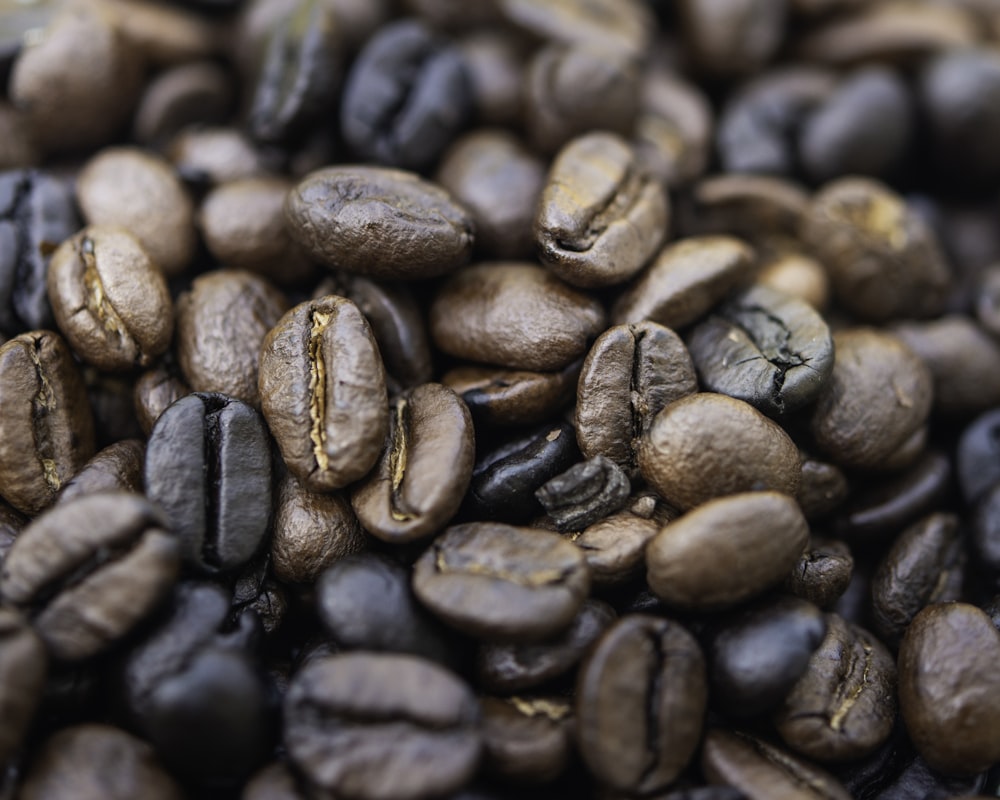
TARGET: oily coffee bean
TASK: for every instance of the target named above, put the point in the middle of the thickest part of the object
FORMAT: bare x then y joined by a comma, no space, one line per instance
978,456
709,445
116,468
526,740
23,667
36,214
822,489
406,97
383,223
109,299
46,426
600,219
322,390
368,726
424,470
640,704
688,563
946,647
844,706
764,347
155,390
208,467
499,582
585,493
822,573
89,570
630,374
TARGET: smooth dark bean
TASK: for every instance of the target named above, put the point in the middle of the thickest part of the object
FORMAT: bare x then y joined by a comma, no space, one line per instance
585,493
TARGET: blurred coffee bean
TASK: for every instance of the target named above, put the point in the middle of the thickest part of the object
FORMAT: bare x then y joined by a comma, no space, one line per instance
733,37
198,92
615,547
625,24
11,524
526,740
23,668
156,389
495,63
758,208
585,493
118,467
978,456
214,155
823,488
822,573
985,537
798,275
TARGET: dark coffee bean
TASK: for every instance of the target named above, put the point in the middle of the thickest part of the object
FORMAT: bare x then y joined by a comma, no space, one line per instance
198,92
118,467
90,570
370,726
759,654
585,493
709,445
822,573
406,96
706,793
424,470
380,222
23,667
978,456
925,565
259,601
986,530
987,300
685,280
322,389
764,347
844,706
733,38
626,25
917,779
503,583
46,426
640,704
36,214
87,762
949,646
155,390
11,524
526,740
615,547
495,63
630,374
274,782
822,489
366,603
515,667
689,561
208,466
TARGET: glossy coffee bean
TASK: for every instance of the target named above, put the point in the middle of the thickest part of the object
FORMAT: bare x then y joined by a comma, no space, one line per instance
585,493
499,582
208,467
370,726
640,704
688,561
526,740
23,667
822,574
116,468
88,571
322,390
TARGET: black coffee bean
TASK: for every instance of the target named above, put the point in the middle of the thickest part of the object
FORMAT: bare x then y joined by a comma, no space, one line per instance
259,601
986,530
822,573
978,456
823,488
585,493
23,667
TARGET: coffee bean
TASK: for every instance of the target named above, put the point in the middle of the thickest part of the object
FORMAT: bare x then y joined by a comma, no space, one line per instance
503,583
733,38
322,389
368,726
945,647
640,704
986,530
155,390
689,562
90,570
822,489
615,546
585,493
258,599
118,467
526,740
11,524
978,456
198,92
822,573
274,782
23,667
798,275
630,374
46,426
383,223
214,155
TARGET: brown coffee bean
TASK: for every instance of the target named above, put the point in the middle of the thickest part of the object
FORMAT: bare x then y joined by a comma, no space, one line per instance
949,688
526,740
689,563
214,155
624,24
514,315
798,275
274,782
507,397
495,62
733,38
154,390
46,426
502,583
197,92
165,35
18,148
822,573
615,547
322,391
708,445
822,489
23,667
640,704
116,468
109,299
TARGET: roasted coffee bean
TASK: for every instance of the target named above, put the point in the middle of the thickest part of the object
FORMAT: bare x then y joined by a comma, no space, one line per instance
109,299
924,566
706,793
986,530
494,61
844,706
156,389
917,779
198,92
274,782
515,667
709,445
258,597
615,547
733,38
764,347
884,260
11,524
366,603
626,25
424,470
370,726
757,655
878,396
322,390
498,582
685,281
526,740
384,223
822,489
688,563
140,192
36,214
406,96
90,570
505,479
630,374
585,493
948,692
515,315
46,426
214,155
87,762
759,208
796,274
18,150
762,771
23,667
118,467
640,704
600,219
978,456
166,35
822,573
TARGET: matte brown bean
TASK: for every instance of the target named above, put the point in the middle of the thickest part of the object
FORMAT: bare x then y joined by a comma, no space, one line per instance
23,668
118,467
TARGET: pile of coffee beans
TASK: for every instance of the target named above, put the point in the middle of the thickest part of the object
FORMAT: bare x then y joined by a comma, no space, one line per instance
499,399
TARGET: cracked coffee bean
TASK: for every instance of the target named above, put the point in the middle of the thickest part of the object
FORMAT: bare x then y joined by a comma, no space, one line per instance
822,574
585,493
